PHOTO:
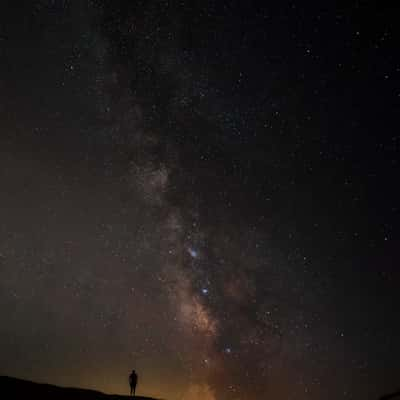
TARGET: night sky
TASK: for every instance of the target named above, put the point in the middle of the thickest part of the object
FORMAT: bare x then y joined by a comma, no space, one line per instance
207,192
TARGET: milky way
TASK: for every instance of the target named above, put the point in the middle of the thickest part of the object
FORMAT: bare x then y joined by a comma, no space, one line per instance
180,196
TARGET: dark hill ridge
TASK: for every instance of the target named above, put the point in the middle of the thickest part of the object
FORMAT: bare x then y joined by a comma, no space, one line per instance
13,388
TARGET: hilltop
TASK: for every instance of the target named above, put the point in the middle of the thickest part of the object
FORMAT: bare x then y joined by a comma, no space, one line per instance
13,388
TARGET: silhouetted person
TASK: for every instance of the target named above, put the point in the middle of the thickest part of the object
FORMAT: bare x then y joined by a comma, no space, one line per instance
133,382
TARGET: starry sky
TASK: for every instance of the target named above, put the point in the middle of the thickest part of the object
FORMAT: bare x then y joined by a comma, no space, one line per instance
204,191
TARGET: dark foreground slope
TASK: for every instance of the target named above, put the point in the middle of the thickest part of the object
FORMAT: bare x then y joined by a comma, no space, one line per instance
12,388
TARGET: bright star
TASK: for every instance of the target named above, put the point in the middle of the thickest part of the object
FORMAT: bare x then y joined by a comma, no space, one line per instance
193,252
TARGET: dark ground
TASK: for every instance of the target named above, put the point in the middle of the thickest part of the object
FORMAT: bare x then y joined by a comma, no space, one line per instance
13,388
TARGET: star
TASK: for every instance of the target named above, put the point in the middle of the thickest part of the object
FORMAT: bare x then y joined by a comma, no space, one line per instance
193,253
